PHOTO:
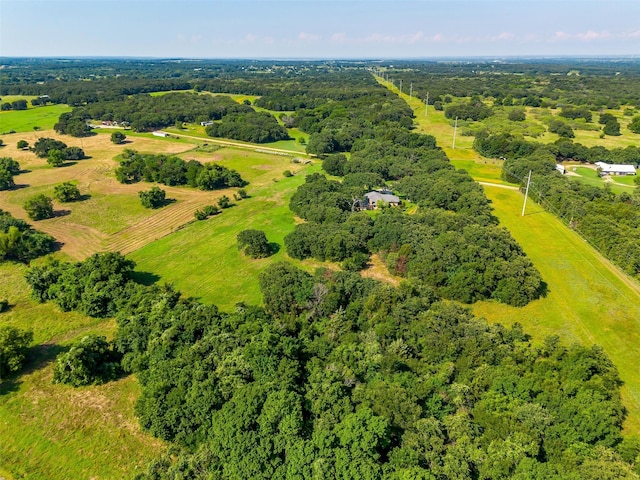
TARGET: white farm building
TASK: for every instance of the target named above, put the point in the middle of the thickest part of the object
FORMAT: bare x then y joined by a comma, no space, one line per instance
615,169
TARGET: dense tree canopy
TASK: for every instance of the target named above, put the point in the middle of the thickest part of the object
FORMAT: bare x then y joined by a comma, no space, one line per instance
344,377
20,242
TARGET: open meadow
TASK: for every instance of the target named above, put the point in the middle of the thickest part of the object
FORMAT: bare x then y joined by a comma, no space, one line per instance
24,121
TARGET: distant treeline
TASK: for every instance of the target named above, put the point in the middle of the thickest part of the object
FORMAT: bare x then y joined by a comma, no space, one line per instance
510,146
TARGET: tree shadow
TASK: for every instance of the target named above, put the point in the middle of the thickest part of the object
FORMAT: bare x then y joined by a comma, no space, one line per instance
543,289
145,278
38,356
61,213
68,163
20,186
83,197
274,248
56,246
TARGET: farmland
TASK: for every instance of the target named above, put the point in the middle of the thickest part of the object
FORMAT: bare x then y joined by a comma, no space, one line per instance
100,419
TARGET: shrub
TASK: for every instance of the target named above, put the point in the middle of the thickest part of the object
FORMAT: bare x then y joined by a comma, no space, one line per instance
22,144
39,207
66,192
287,173
13,348
254,243
154,198
91,360
118,137
224,202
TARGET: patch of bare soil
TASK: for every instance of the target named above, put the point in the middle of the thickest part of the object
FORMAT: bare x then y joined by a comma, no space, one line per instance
377,270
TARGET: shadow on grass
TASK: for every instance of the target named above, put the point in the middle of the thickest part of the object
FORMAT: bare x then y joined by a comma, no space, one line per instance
20,186
83,197
38,356
61,213
145,278
274,248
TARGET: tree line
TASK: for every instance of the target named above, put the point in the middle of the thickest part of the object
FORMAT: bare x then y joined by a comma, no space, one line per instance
170,170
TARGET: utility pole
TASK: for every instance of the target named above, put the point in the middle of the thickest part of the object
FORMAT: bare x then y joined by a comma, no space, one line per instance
400,91
526,193
455,128
410,91
426,105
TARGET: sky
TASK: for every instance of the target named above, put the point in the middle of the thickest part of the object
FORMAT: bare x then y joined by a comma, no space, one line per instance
301,29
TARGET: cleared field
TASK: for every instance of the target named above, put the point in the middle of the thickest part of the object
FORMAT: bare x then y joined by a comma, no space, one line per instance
589,300
618,184
52,432
111,217
202,260
24,120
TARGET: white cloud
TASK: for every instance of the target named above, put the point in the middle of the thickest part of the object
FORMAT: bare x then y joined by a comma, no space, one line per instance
503,36
309,37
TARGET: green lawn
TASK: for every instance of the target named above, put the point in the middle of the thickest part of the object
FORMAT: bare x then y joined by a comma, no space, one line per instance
590,176
54,432
589,300
202,259
24,120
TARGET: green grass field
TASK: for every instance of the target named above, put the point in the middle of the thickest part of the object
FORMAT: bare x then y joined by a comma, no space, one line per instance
202,259
618,184
54,432
589,300
24,120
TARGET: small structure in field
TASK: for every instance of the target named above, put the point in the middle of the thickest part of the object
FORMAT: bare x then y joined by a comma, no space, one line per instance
615,169
206,124
160,134
374,199
561,168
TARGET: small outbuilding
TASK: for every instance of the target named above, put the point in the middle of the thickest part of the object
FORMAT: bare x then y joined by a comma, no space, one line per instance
374,199
160,134
561,168
615,169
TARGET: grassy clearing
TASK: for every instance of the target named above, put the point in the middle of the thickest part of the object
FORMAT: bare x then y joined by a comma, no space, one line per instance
202,260
24,120
589,300
58,432
589,176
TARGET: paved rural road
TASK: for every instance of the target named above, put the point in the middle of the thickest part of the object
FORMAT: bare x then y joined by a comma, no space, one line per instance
245,145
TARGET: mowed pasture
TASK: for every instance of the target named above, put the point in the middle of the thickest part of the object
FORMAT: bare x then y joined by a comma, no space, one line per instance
202,260
56,432
24,121
112,218
589,300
